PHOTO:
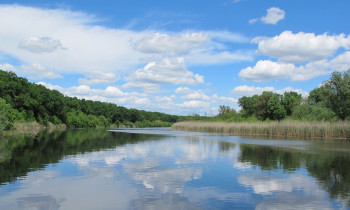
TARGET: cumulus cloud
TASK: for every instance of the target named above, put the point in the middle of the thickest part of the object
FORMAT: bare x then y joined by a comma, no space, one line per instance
98,78
273,16
195,104
110,94
40,44
207,57
192,94
198,99
38,71
177,45
7,67
265,70
195,95
300,56
200,48
44,31
139,85
167,71
341,62
301,47
245,90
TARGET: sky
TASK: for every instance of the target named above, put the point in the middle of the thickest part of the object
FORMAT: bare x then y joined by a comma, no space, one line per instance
177,57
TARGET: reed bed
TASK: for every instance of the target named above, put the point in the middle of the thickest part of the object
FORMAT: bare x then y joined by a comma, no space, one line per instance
33,128
324,130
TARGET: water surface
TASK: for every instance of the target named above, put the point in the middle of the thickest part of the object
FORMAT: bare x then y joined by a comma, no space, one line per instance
165,169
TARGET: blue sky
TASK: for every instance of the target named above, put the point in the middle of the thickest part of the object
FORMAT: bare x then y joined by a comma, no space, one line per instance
177,57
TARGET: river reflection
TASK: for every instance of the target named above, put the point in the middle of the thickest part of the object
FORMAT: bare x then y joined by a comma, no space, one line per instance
164,169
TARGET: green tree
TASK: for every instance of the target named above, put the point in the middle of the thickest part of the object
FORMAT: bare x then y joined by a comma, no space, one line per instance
275,109
334,94
261,107
3,115
339,88
291,100
248,105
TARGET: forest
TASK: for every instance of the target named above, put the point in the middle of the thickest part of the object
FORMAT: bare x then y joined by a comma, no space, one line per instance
22,101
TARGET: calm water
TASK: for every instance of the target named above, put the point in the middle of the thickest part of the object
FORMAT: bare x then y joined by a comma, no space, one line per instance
164,169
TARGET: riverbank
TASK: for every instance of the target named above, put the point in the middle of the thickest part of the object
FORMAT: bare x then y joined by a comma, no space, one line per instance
323,130
33,128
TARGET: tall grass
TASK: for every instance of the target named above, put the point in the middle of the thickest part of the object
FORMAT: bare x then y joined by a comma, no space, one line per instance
33,128
324,130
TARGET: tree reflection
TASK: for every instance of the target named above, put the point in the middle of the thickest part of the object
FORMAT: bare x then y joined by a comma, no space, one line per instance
332,170
28,153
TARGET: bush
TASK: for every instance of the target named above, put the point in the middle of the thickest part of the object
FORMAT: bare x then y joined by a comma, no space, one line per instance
307,112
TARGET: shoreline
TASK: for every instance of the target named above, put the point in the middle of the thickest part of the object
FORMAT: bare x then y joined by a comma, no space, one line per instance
33,128
320,130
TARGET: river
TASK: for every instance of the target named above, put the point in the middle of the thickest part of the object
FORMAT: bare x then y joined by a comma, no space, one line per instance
164,169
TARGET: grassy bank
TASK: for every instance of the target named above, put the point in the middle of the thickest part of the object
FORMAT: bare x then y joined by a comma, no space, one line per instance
32,128
324,130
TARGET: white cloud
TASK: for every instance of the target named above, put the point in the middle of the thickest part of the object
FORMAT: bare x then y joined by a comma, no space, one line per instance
198,100
191,94
177,45
87,45
110,94
208,58
341,62
226,36
39,71
7,67
312,52
195,104
40,44
265,70
167,71
301,47
273,16
245,90
254,20
98,78
139,85
195,95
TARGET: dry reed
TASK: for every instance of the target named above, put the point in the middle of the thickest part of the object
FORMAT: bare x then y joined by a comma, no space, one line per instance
33,128
324,130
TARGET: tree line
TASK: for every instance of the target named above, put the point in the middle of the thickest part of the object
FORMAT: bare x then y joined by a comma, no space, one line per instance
329,102
23,101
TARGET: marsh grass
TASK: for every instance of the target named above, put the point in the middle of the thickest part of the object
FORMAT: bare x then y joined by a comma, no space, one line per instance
324,130
33,128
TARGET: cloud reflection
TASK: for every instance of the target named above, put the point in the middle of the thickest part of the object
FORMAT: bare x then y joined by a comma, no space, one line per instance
156,177
39,202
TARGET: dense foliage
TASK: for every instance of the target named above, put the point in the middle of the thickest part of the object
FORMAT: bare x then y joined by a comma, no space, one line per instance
329,102
23,101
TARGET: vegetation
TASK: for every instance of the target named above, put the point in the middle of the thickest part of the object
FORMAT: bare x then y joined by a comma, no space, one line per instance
22,101
325,130
323,114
